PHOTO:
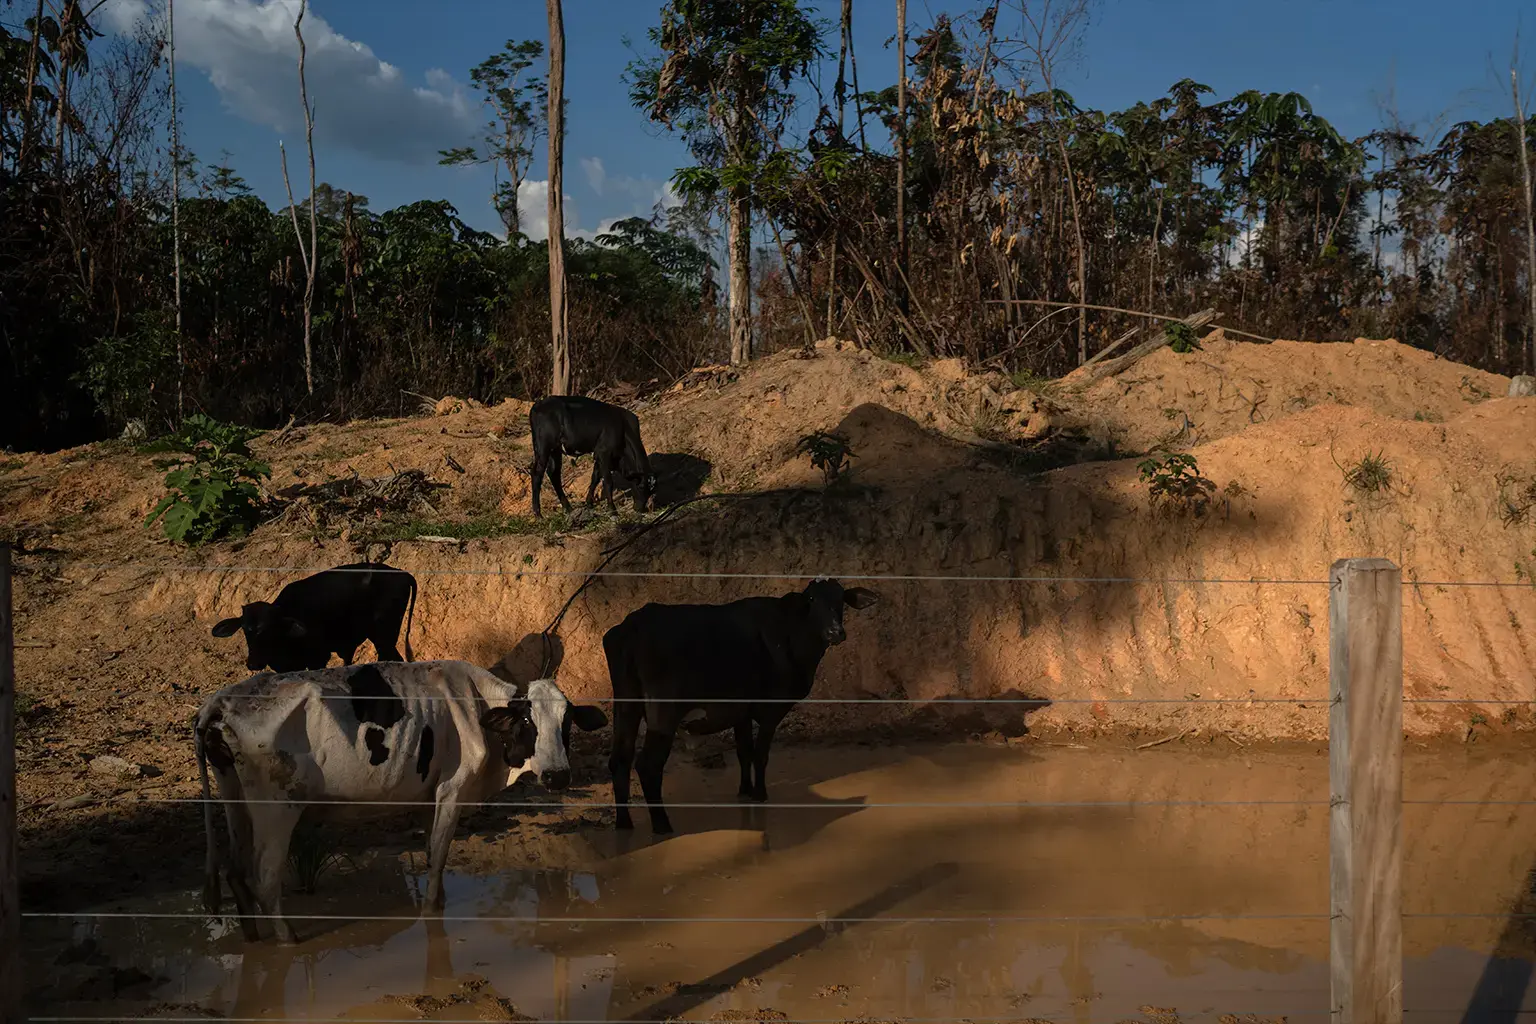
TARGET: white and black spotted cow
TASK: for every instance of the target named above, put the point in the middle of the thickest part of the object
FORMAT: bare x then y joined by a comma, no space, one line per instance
440,732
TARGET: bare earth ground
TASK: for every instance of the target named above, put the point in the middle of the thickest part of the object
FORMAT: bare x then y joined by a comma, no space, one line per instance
954,474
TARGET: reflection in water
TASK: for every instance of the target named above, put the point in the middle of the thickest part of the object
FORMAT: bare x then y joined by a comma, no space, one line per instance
496,948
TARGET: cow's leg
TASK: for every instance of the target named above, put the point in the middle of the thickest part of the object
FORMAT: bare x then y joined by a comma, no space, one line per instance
385,649
599,470
445,821
744,755
538,481
621,757
765,732
610,467
554,481
653,758
272,826
237,869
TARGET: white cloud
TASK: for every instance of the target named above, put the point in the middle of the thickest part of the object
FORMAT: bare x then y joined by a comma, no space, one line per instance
647,190
533,213
248,50
597,175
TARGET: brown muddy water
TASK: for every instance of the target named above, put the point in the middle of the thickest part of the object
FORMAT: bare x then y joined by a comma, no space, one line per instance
840,910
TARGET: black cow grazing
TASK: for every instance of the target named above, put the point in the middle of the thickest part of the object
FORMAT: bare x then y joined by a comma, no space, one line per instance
334,610
582,426
758,653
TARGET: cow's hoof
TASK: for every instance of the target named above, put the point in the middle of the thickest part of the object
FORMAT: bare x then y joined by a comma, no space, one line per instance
745,794
761,796
624,824
662,828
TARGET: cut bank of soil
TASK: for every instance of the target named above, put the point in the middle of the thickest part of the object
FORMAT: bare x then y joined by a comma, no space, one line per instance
114,651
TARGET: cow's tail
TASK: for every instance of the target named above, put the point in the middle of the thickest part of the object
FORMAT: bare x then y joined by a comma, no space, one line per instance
409,615
211,891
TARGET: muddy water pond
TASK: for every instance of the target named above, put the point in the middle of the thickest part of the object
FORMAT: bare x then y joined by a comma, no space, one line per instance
828,907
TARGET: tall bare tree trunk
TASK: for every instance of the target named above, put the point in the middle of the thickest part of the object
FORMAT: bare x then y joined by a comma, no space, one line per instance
312,256
1530,224
901,157
741,274
181,365
840,93
559,315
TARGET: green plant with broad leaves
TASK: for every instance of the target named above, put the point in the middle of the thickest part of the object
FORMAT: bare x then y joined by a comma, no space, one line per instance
212,492
828,452
1176,484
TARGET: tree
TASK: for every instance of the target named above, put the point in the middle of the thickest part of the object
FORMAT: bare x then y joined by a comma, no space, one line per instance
901,156
1530,218
559,317
311,255
181,362
1054,27
724,80
520,110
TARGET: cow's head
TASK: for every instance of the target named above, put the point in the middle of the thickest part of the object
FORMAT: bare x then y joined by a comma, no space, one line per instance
534,732
274,640
826,599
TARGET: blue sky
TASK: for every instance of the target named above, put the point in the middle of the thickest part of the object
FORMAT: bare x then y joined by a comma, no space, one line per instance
390,81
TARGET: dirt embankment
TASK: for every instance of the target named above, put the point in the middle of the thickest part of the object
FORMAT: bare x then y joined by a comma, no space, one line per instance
113,625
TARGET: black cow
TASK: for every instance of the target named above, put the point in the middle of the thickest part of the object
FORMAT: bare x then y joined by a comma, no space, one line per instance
760,654
334,610
582,426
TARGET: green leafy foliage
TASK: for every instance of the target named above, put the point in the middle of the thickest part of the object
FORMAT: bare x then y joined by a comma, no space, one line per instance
1176,484
829,452
213,493
1181,338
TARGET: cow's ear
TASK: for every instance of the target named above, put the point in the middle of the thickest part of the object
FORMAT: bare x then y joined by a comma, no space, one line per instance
226,627
504,719
588,718
859,597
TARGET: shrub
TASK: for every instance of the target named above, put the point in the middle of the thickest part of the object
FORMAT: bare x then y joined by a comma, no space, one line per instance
1181,338
1175,483
827,451
213,491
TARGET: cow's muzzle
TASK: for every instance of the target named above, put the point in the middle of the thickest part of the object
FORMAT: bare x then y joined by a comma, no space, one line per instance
555,778
835,636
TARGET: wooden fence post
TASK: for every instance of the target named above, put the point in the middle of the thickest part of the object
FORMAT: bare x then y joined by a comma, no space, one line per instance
1365,781
10,913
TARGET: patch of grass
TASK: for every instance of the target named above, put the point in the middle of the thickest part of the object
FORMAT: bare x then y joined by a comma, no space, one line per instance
1428,417
487,527
1175,483
10,465
911,360
1029,380
1371,475
1473,391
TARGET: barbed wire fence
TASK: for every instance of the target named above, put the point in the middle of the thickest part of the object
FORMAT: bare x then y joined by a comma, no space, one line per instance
1365,707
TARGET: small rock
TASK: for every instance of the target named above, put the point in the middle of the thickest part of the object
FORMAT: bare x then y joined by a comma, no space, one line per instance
1522,386
111,764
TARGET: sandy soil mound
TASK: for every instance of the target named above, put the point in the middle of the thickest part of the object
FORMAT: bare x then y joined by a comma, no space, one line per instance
948,478
1230,386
